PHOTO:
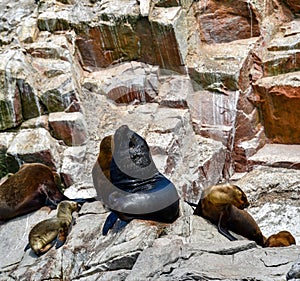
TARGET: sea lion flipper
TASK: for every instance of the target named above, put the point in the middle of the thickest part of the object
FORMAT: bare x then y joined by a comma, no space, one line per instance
27,247
61,237
81,201
223,230
109,223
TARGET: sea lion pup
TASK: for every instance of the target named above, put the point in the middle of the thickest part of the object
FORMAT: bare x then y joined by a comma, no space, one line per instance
128,182
223,206
35,185
281,239
52,231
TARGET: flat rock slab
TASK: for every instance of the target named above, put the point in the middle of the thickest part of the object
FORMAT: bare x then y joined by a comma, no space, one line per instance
278,155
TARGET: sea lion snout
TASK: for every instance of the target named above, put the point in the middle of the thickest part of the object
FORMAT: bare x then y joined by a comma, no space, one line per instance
246,205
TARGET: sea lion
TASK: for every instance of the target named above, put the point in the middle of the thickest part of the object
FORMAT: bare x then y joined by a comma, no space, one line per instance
128,182
242,223
35,185
223,205
281,239
52,231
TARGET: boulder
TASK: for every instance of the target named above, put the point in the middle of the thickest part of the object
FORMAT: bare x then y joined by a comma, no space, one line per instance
125,83
42,149
69,127
234,22
120,37
219,67
73,162
294,272
279,104
58,92
273,194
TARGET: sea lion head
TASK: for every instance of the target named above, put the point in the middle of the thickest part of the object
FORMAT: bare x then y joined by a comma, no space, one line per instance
227,194
239,198
66,207
131,154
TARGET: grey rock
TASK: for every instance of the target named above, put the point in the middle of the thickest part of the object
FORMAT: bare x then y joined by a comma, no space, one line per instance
294,272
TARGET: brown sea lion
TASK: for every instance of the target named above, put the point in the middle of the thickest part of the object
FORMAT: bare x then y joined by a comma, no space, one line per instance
281,239
55,230
32,187
242,223
223,205
35,185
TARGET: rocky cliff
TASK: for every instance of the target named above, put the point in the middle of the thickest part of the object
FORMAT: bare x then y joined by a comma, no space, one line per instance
213,86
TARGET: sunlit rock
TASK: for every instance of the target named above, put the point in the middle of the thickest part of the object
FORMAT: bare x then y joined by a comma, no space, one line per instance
273,194
218,67
69,127
195,261
59,92
125,83
214,114
174,91
72,170
279,104
28,32
277,155
10,22
122,37
13,67
43,148
283,54
38,122
201,165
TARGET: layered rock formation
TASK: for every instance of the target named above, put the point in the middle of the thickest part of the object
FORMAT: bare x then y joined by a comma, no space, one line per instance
207,83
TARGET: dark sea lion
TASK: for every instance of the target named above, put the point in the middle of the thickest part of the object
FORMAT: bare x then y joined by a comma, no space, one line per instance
35,185
281,239
242,223
223,206
128,182
52,231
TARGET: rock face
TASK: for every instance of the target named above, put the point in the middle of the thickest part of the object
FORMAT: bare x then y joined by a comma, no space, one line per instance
213,87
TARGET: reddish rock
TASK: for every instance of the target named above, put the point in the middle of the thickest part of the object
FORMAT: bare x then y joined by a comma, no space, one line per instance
213,114
138,39
124,94
279,105
294,5
69,127
225,21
